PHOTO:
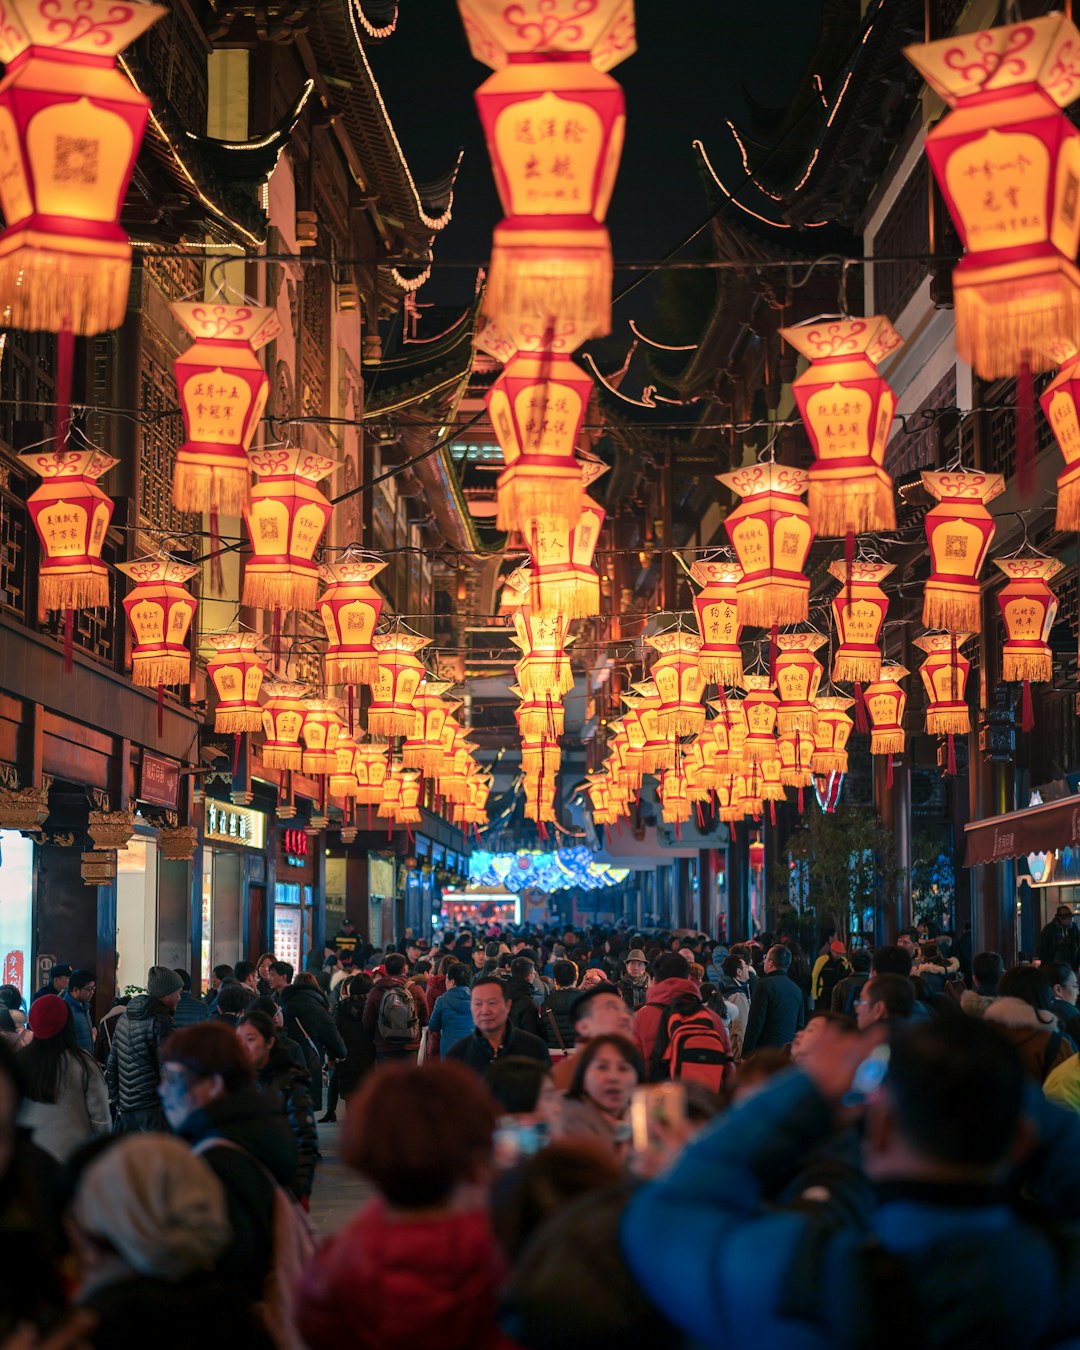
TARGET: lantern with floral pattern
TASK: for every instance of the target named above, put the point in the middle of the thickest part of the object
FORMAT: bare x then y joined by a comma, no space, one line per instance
959,531
771,535
160,611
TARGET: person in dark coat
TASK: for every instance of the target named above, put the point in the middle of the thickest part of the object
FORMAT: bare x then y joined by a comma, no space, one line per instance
777,1007
359,1043
78,996
847,990
1060,940
524,1013
190,1009
494,1034
277,1072
132,1071
208,1094
395,966
556,1018
57,981
306,1011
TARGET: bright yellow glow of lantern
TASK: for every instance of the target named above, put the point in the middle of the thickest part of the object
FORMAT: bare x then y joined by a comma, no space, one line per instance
729,729
675,803
959,531
539,718
71,515
236,672
729,803
717,608
390,803
831,734
423,750
539,758
847,409
1061,405
70,129
771,535
1029,608
350,608
544,669
159,611
798,675
885,703
408,811
342,781
563,579
859,610
320,732
391,711
658,750
371,766
679,682
1007,160
796,751
286,516
223,390
283,720
747,792
772,786
944,675
760,707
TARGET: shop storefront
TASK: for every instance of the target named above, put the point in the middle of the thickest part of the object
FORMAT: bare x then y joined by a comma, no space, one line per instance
294,895
16,911
233,884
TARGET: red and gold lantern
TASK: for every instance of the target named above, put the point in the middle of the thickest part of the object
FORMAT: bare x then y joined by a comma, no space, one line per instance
859,611
544,669
658,750
423,750
408,811
322,728
885,703
236,671
390,801
729,801
847,409
676,804
350,608
540,758
796,752
717,608
71,515
397,680
729,729
1061,405
944,675
223,391
563,579
771,535
760,707
286,517
772,786
1005,161
283,720
679,682
70,129
539,717
832,732
959,531
342,781
159,611
798,675
1029,608
370,766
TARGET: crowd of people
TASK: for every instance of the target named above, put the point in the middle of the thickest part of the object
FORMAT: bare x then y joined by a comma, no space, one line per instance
570,1139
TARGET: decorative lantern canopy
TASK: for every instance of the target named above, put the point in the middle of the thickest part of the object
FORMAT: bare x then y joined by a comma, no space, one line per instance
537,406
798,674
563,579
544,669
539,717
717,608
350,608
391,712
658,749
283,719
1061,405
885,704
847,409
554,124
944,675
223,391
760,707
71,129
1005,162
286,517
236,672
679,682
831,734
959,531
859,611
1029,608
371,767
676,804
796,752
321,730
423,750
159,611
390,802
771,535
71,515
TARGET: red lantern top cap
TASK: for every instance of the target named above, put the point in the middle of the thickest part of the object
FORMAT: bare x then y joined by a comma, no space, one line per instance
969,485
803,641
1030,566
675,643
833,703
893,673
497,31
753,683
232,642
591,470
649,697
406,643
90,27
291,461
432,690
158,569
1039,51
861,571
253,324
941,642
757,479
53,464
874,337
350,570
286,689
716,572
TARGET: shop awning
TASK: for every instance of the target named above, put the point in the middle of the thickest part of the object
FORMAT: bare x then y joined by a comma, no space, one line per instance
1037,829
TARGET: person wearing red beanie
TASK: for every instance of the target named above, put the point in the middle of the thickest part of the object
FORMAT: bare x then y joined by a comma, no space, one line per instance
66,1101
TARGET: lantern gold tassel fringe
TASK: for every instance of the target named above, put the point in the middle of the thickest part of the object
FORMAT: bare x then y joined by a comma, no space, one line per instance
530,284
76,590
657,760
948,723
859,504
721,670
1038,667
534,494
955,611
428,759
390,722
829,761
290,758
857,669
150,671
1068,504
318,761
996,322
232,722
777,602
798,777
351,669
210,487
279,590
755,753
687,723
50,291
886,742
802,721
576,598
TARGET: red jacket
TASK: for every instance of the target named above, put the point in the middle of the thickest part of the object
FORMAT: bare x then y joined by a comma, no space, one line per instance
436,985
374,999
647,1020
387,1280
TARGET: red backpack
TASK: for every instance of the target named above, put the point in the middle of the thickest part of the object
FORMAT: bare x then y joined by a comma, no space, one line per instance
689,1048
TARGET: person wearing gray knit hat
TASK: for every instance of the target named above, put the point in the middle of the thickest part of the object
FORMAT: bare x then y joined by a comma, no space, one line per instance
132,1071
161,982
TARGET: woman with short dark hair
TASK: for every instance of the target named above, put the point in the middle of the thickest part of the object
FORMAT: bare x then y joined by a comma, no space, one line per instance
285,1076
66,1101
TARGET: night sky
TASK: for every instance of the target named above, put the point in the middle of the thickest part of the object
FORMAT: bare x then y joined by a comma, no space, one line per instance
688,75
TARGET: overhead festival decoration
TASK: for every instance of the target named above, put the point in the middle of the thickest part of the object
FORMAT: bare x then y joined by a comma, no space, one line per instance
717,609
350,608
959,531
71,515
236,671
771,535
859,609
286,517
160,610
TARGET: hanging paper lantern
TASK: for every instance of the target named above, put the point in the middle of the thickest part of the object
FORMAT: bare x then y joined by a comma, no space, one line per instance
540,757
885,704
283,720
698,781
236,672
859,611
798,675
658,750
729,729
390,803
159,611
371,767
717,609
423,750
539,717
772,785
796,752
223,390
831,734
286,517
747,792
631,740
536,407
847,409
70,129
676,804
408,811
944,675
342,781
771,535
760,707
1061,405
679,682
1005,161
959,531
729,801
391,711
562,577
71,515
320,732
1029,608
544,669
350,608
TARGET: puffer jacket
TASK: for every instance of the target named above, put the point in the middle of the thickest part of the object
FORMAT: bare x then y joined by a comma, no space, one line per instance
452,1018
132,1072
557,1005
286,1075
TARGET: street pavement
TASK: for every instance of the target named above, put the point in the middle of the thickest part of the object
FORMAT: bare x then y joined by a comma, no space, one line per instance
338,1191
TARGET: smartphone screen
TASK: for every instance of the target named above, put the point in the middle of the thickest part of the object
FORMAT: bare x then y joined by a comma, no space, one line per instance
652,1103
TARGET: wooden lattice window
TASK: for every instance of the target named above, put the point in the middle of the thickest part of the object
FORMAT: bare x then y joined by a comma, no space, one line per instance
159,437
176,52
315,340
904,233
27,384
917,449
14,535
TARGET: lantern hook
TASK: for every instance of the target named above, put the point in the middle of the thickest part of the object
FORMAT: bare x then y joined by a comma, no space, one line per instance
1025,545
842,289
769,449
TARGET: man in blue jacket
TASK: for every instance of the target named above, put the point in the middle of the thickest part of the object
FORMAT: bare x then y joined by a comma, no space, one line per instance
952,1119
78,995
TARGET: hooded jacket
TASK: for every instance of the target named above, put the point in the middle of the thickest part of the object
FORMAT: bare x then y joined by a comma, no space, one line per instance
444,1272
359,1045
133,1072
647,1020
524,1012
451,1018
1042,1046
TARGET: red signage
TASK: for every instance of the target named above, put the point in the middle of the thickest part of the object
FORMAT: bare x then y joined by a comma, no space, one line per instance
159,781
296,843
